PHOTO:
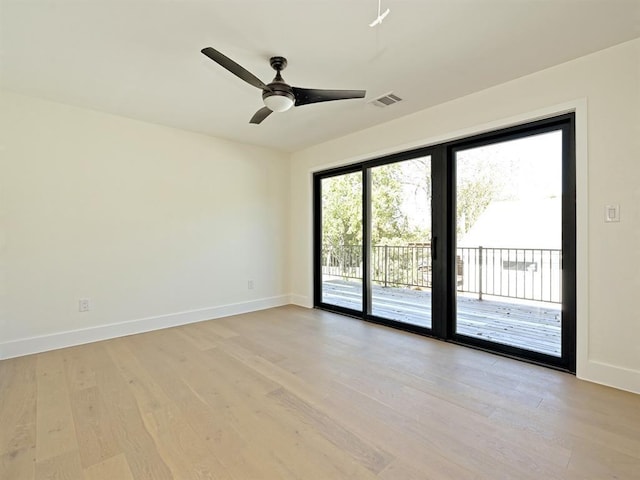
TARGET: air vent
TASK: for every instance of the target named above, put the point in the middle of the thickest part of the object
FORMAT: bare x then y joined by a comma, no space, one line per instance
386,100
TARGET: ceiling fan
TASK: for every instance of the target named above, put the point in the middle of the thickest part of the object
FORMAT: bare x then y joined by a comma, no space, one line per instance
279,96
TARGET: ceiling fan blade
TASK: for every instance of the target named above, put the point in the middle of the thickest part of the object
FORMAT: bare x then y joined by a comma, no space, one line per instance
260,115
233,67
305,96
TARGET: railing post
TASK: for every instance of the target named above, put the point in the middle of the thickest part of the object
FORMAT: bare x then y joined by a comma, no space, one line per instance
386,263
480,273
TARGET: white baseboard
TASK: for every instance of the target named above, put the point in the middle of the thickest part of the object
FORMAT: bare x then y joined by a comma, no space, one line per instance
611,375
43,343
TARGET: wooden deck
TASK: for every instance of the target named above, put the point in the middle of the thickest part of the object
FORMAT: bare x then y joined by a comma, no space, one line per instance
531,325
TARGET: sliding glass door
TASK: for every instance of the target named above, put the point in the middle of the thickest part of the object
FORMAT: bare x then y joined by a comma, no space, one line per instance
471,241
400,251
509,242
342,241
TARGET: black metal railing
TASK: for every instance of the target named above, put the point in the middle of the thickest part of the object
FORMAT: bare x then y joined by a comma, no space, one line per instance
521,273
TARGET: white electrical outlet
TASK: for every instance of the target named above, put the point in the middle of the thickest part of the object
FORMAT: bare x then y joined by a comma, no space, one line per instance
250,284
84,305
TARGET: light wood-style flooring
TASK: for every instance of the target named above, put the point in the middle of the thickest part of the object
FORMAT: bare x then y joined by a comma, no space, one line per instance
291,393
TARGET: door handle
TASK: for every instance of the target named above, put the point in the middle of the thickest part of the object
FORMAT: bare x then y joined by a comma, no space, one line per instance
434,248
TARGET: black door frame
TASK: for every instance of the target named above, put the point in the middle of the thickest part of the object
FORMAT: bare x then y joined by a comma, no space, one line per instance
317,239
566,124
444,238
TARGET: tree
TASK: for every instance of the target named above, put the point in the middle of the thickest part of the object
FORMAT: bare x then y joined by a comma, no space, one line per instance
342,210
480,179
473,198
389,223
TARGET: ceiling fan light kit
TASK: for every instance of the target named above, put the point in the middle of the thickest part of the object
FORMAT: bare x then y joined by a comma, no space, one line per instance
278,96
278,102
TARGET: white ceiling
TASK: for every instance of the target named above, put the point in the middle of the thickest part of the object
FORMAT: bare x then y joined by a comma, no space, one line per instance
141,58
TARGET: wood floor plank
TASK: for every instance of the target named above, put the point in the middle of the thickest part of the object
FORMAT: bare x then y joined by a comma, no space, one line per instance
148,394
595,462
396,470
413,446
184,452
93,426
55,427
65,466
437,409
322,390
18,464
290,442
197,390
18,397
300,453
128,426
78,371
197,338
114,468
292,393
468,432
370,457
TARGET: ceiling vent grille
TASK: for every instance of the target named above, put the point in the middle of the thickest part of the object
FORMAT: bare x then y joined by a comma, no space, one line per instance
386,100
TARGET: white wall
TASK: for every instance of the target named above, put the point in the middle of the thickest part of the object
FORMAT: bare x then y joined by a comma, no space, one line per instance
604,89
157,226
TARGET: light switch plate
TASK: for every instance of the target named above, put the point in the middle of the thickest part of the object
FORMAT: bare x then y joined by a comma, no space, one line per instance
612,213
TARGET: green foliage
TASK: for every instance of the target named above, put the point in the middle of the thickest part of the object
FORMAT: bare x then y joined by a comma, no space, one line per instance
388,220
342,210
479,183
473,199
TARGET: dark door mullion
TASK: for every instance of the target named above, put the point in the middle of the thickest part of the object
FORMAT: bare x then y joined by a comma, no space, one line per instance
317,240
451,273
568,261
440,212
366,241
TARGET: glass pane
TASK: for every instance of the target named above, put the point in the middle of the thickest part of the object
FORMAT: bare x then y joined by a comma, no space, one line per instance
509,234
401,241
342,240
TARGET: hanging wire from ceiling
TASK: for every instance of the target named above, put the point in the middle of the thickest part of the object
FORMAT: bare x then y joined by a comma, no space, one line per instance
378,20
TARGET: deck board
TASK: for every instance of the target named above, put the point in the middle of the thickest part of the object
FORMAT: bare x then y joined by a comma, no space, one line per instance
534,326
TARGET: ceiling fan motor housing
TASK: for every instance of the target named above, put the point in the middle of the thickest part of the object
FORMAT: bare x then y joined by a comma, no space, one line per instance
278,95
